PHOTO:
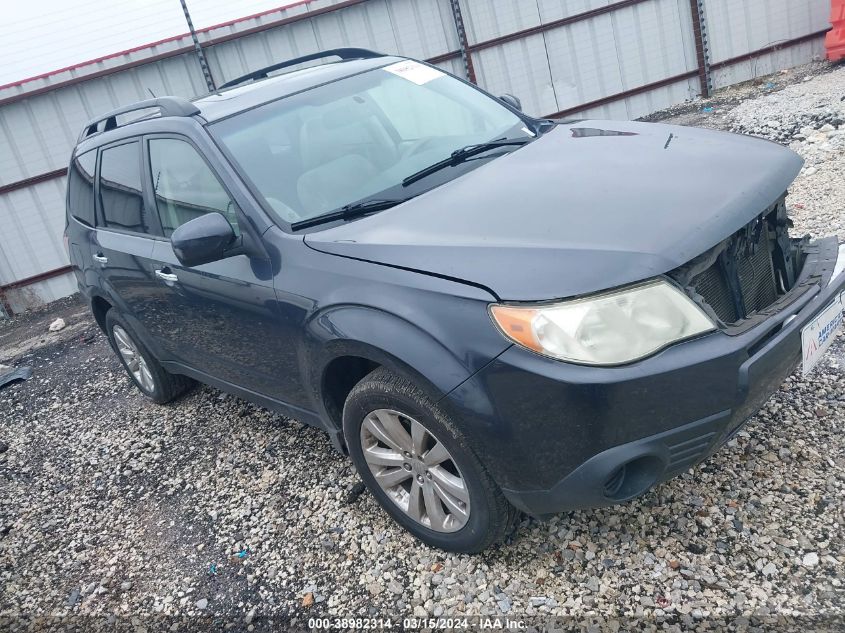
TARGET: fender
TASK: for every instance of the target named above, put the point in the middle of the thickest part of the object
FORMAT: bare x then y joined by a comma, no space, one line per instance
385,338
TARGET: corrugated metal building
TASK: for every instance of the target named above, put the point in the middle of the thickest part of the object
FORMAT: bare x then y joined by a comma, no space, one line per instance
595,58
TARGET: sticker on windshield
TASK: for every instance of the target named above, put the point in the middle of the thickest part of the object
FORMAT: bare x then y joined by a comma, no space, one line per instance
414,71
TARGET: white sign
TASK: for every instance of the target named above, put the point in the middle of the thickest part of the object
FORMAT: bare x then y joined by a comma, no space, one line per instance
414,71
818,335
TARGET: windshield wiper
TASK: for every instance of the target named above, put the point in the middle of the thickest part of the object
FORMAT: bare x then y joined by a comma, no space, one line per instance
460,155
350,211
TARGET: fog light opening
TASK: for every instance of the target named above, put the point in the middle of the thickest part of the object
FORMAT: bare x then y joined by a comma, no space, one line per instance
614,482
633,478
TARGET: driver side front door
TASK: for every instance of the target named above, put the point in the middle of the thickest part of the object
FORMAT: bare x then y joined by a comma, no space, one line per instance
220,319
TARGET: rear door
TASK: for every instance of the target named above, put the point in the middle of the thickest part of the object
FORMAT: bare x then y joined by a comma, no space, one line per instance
123,240
220,319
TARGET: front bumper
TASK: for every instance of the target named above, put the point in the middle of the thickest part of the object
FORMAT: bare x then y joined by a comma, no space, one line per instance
558,436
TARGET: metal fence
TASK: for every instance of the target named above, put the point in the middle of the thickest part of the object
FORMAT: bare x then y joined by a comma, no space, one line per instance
594,58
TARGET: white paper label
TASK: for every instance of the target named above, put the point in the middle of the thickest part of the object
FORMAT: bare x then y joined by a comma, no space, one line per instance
818,335
414,71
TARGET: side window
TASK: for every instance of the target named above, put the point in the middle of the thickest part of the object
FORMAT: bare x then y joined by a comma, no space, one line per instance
121,197
185,187
80,187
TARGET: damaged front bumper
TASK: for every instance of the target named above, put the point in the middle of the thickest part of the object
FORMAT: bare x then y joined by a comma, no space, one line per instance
563,436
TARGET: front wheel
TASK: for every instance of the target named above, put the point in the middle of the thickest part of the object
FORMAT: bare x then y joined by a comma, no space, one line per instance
419,467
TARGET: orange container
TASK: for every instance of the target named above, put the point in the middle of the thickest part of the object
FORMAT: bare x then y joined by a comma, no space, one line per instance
835,40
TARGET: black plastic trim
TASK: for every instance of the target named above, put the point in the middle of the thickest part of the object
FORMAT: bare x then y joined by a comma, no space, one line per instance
343,53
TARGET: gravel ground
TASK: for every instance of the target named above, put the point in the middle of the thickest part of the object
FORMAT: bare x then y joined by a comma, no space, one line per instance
212,506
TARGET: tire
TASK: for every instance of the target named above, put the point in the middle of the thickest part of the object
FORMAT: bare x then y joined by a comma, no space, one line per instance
155,382
372,410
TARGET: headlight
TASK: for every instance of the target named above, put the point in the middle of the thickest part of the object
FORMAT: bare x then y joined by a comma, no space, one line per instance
605,329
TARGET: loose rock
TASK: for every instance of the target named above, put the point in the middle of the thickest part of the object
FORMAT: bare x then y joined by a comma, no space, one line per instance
58,324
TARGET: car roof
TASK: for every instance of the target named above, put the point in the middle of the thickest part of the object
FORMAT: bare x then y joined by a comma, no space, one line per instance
219,105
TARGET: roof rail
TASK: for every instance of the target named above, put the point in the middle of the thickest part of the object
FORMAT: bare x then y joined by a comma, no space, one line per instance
167,106
343,53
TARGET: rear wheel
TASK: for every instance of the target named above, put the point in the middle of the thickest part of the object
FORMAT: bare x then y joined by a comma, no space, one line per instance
144,370
420,469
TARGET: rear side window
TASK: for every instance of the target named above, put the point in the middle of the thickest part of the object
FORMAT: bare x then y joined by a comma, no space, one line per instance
80,187
121,197
185,187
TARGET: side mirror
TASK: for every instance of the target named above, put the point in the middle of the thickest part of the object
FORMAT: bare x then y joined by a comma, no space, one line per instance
202,240
512,101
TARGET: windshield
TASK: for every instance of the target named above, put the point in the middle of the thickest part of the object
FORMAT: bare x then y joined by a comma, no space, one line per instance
359,137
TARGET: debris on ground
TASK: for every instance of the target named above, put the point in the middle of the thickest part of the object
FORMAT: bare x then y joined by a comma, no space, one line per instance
795,113
58,324
356,491
11,374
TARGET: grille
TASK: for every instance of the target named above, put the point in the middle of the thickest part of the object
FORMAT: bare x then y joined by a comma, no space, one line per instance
746,264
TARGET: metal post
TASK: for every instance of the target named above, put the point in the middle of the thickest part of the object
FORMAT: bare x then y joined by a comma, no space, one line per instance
209,80
462,39
702,48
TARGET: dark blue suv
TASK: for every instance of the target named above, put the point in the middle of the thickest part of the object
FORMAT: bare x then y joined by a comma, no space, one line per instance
490,312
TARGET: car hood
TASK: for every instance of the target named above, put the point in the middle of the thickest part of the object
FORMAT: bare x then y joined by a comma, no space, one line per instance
588,206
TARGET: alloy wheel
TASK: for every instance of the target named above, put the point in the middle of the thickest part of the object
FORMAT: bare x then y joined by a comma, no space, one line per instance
135,362
415,470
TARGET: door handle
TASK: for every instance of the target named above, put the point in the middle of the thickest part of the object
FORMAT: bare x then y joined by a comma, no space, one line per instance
101,259
168,277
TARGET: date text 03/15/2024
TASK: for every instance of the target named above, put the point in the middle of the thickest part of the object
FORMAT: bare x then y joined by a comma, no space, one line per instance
418,623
